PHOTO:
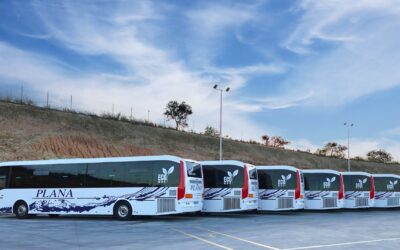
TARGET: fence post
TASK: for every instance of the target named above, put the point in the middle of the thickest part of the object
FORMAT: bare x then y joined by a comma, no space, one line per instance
22,93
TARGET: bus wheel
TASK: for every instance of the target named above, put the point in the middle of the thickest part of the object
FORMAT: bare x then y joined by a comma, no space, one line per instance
21,210
53,215
123,210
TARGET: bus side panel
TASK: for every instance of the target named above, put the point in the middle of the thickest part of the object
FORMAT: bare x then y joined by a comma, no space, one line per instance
216,198
385,199
278,199
6,203
357,199
319,199
94,201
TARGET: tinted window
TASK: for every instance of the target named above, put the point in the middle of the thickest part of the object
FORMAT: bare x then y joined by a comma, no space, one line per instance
253,174
133,174
386,184
357,183
3,176
193,169
48,176
21,177
276,179
321,182
223,176
165,173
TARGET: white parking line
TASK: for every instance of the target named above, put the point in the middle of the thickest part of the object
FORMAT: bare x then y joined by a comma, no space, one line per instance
201,239
342,244
240,239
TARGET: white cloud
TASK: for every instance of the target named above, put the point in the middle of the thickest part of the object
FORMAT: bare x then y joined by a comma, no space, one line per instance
360,58
152,76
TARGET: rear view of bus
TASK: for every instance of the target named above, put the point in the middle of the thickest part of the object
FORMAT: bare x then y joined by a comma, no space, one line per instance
280,188
359,190
191,188
324,189
229,186
387,190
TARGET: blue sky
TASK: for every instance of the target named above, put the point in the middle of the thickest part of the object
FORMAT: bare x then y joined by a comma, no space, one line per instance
298,69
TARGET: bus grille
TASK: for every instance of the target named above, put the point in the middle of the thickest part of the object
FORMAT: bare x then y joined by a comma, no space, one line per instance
393,201
362,202
231,203
165,205
329,202
285,203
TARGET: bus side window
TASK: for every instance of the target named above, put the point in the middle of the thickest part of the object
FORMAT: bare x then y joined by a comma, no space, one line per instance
21,177
3,177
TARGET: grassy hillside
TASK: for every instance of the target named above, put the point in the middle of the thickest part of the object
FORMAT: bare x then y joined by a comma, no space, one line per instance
28,132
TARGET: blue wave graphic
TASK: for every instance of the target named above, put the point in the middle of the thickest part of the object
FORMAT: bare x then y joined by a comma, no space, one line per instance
63,205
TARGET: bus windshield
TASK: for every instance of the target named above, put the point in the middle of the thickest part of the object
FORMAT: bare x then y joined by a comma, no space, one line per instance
357,183
223,176
276,179
321,182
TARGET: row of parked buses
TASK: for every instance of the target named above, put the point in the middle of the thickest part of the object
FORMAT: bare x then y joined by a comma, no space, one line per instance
161,185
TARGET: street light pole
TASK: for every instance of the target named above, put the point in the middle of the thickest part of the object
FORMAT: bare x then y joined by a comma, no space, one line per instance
220,120
348,125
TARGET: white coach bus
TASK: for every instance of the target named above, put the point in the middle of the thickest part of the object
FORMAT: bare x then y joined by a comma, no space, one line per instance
359,190
229,186
123,187
280,188
324,189
387,190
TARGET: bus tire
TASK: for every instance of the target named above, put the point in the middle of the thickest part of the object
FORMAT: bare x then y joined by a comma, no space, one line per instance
21,210
123,210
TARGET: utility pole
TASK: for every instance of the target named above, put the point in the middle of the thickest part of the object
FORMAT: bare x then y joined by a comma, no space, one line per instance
22,93
47,100
131,113
70,104
348,125
220,120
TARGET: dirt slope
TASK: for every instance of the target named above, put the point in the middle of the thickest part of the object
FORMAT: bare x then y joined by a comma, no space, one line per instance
32,133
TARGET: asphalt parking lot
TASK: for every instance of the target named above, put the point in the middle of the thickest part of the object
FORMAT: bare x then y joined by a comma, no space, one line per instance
367,229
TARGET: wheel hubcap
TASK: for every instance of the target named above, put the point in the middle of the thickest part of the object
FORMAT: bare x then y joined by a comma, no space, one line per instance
123,211
22,210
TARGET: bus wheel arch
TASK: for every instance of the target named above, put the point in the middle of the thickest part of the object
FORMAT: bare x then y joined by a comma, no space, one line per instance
21,209
123,210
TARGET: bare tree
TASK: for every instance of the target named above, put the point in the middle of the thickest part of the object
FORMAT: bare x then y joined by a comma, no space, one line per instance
266,139
379,156
210,131
333,149
278,142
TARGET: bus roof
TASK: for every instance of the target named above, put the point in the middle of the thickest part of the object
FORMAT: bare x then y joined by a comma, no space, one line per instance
277,167
92,160
386,175
356,173
224,162
320,171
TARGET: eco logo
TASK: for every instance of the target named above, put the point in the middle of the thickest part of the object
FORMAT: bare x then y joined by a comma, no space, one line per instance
360,183
163,178
391,185
328,182
282,182
229,179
